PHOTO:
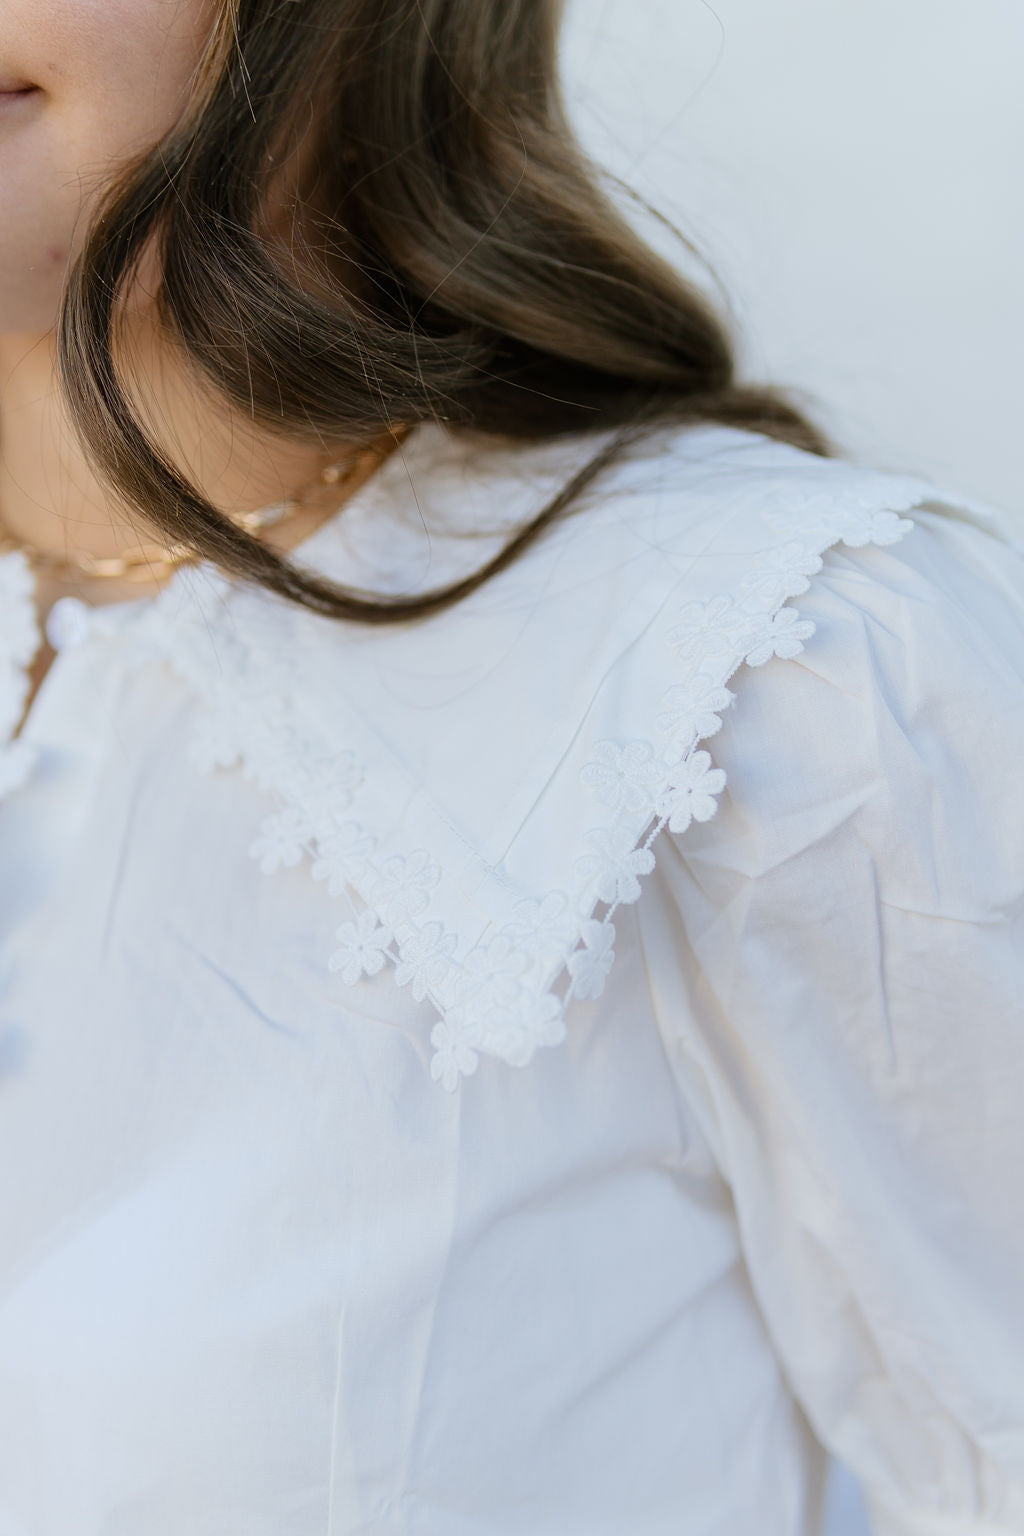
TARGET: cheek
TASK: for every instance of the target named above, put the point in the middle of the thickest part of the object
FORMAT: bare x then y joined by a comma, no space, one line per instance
121,69
40,198
115,76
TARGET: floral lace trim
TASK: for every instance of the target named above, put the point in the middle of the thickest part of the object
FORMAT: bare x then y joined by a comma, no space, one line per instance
508,995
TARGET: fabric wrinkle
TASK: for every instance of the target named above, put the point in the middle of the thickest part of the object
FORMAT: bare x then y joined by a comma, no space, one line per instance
688,856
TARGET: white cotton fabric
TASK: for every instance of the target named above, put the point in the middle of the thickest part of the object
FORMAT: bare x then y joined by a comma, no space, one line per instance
335,1199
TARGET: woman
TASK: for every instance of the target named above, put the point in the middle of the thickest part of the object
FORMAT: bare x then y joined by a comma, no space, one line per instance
398,525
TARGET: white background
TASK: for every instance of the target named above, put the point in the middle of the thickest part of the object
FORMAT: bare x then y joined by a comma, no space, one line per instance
852,170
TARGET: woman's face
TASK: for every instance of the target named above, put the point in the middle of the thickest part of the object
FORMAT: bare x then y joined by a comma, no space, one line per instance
84,84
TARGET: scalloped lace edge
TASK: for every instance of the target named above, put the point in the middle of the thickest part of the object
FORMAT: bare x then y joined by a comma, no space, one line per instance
509,994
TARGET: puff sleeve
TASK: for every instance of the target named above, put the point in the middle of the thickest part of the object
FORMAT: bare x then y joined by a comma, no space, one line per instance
839,957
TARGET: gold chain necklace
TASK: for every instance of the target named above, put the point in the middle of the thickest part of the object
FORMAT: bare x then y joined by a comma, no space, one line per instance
152,562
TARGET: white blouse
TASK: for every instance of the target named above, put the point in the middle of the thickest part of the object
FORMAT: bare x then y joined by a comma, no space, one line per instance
468,1172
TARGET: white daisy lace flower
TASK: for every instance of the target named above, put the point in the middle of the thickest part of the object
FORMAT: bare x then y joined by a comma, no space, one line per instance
708,631
690,711
691,796
818,512
515,1034
403,886
282,841
342,857
326,787
425,958
545,928
491,974
625,778
878,527
782,635
869,526
589,967
612,871
454,1056
781,572
362,948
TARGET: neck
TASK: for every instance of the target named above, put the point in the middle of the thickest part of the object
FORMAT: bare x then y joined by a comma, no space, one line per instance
51,499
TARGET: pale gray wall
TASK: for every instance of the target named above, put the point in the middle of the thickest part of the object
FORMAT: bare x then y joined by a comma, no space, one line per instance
852,168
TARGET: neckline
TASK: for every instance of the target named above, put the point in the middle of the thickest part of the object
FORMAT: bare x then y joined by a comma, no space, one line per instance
427,443
457,458
23,630
71,617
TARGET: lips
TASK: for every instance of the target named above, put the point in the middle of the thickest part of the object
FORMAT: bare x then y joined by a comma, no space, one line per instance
13,92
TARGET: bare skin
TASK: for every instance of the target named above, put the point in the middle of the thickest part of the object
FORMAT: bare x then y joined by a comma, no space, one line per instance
85,84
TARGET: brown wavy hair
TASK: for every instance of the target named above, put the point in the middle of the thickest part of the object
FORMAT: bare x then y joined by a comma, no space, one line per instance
373,213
